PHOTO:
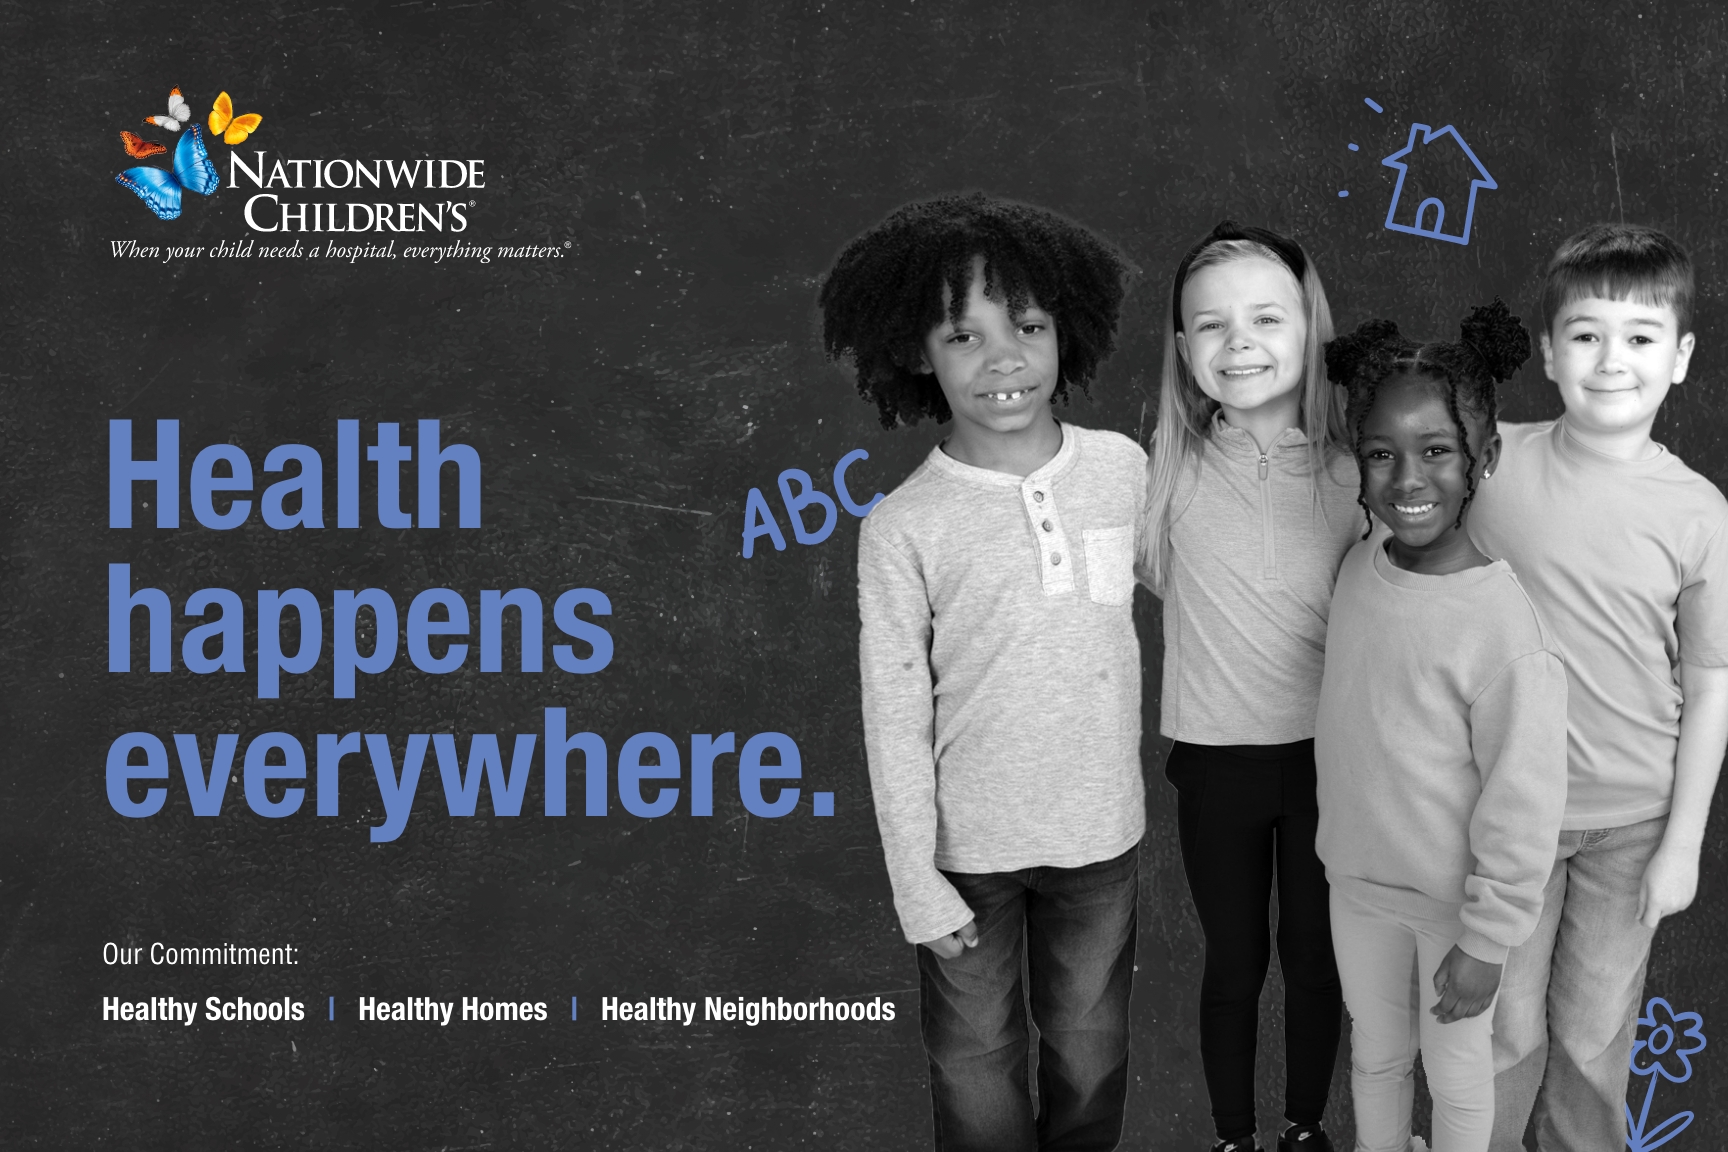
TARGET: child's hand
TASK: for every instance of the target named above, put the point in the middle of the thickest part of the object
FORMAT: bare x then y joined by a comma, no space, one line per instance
951,945
1670,882
1465,986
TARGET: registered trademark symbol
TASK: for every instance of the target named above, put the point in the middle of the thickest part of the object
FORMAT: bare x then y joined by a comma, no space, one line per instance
472,203
566,243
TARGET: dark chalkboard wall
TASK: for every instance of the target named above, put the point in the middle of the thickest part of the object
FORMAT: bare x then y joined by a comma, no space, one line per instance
695,166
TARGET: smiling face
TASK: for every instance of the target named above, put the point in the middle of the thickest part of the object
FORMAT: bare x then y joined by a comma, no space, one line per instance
997,371
1614,361
1245,335
1414,473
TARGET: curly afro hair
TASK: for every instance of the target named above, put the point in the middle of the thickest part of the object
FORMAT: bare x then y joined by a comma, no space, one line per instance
884,293
1492,345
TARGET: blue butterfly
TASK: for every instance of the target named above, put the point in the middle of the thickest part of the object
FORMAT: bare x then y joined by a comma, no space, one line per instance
160,189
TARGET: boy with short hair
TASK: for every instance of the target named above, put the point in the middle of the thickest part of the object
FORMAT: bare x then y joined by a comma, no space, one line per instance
1624,549
999,664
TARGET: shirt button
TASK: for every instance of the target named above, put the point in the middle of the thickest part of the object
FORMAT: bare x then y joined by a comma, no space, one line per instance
1055,557
1038,496
1047,526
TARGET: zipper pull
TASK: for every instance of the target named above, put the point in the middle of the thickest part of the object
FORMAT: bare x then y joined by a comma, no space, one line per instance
1262,466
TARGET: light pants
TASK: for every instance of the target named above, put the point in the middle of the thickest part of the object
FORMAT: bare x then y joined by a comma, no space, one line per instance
1387,957
1570,995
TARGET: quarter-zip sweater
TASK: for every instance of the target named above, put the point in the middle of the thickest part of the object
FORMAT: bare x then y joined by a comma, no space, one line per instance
1253,556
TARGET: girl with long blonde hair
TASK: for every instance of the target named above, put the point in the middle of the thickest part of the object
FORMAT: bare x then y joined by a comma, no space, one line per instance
1251,507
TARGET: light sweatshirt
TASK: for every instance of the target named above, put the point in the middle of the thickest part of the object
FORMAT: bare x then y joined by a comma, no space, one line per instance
1253,557
1000,669
1441,743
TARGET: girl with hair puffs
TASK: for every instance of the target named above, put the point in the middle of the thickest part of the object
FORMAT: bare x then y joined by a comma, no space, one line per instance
1441,738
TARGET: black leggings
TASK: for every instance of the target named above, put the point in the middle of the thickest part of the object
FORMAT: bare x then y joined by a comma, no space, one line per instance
1244,814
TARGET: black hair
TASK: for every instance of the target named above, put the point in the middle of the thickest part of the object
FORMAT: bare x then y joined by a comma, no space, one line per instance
1620,262
884,293
1492,344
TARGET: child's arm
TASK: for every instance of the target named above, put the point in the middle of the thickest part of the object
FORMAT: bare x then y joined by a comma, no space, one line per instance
1671,877
899,738
1518,737
1143,575
1701,622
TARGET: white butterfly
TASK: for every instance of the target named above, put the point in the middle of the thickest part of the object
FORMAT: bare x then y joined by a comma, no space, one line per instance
179,112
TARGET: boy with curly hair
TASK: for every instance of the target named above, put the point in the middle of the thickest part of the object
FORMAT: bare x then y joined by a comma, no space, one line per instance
1000,669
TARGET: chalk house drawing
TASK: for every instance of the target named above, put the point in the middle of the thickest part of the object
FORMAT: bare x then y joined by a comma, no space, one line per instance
1666,1043
1432,213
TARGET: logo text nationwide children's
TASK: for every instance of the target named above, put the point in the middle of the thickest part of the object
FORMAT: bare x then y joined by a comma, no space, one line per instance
266,211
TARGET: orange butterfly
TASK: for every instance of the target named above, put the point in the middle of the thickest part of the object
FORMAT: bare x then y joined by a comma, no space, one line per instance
139,148
233,129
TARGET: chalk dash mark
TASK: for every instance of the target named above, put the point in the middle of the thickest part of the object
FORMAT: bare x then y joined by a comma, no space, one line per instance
640,504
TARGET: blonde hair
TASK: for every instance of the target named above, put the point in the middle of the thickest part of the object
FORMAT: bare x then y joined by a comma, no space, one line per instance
1185,413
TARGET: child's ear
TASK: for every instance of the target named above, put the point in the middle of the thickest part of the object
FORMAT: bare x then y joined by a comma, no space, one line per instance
1182,348
925,368
1683,357
1490,456
1548,357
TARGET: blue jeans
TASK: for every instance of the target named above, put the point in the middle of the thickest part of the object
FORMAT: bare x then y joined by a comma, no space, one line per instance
1073,931
1570,995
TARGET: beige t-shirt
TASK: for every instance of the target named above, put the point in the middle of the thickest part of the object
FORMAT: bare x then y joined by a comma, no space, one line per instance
1628,563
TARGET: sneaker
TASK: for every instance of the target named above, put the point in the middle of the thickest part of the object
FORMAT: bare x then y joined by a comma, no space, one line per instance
1305,1138
1417,1144
1240,1144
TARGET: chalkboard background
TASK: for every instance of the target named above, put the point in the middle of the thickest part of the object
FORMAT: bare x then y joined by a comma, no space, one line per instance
703,162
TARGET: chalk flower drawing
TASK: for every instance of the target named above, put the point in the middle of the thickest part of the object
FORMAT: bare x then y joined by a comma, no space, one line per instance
1663,1051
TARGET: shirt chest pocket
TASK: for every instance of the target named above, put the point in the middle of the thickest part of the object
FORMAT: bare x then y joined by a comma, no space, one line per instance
1110,564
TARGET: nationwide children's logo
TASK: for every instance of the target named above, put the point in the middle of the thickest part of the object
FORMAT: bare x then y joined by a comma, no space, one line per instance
280,193
192,170
297,194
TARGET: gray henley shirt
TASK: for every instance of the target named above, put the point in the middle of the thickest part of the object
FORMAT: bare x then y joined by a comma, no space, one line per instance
1000,669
